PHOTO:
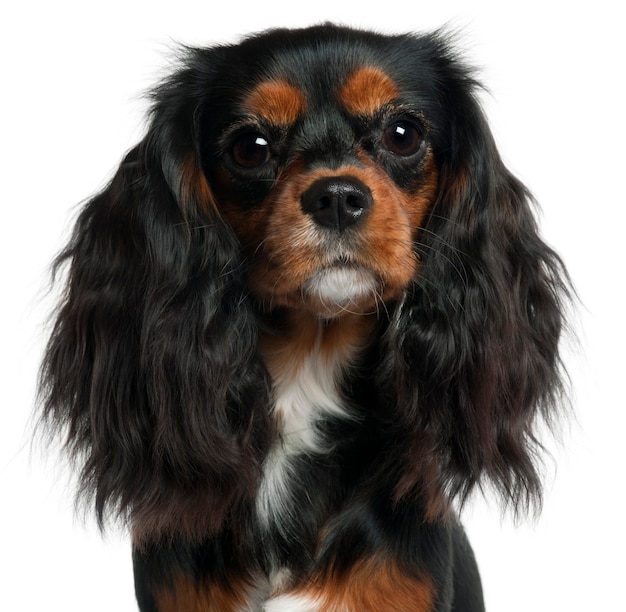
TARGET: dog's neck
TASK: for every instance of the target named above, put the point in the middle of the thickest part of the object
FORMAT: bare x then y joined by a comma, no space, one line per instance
306,358
299,337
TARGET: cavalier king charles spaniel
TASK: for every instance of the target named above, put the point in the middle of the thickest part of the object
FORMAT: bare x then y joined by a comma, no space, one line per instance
307,317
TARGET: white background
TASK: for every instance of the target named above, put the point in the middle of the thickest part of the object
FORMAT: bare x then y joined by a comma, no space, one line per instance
72,75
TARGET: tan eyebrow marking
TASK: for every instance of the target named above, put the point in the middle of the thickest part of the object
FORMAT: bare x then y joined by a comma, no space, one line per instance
366,91
278,102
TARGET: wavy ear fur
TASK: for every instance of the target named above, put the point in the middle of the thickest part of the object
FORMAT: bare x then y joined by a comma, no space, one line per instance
152,371
475,351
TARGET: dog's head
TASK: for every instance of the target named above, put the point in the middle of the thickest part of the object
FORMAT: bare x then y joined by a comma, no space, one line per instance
325,170
322,161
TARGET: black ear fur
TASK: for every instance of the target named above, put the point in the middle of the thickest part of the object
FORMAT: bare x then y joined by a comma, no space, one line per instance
152,371
475,351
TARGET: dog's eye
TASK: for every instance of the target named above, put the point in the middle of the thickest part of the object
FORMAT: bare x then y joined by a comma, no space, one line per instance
402,138
251,150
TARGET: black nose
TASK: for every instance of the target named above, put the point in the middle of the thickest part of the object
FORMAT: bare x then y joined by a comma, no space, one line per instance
337,202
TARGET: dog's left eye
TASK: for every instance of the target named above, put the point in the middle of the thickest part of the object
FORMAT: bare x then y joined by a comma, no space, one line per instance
251,150
402,138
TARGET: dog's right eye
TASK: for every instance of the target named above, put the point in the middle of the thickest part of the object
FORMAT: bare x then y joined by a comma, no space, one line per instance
251,150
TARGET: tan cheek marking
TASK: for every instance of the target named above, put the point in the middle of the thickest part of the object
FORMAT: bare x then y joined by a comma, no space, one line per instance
279,102
394,223
251,224
366,91
275,237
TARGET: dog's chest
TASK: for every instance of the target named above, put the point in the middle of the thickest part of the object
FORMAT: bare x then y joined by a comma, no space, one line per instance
306,392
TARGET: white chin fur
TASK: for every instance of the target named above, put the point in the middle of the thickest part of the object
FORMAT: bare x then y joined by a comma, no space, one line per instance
342,288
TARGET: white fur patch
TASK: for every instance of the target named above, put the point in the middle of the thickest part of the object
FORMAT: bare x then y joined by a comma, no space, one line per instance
272,502
341,286
306,393
291,603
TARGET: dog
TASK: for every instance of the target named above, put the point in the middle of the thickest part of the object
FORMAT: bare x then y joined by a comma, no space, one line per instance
310,314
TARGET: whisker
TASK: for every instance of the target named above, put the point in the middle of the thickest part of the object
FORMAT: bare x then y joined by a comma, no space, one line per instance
460,269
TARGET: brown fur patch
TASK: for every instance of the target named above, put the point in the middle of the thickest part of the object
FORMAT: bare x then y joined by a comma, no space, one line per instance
187,596
278,102
366,91
371,585
194,190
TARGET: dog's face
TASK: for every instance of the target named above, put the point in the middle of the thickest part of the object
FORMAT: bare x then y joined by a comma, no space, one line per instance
322,163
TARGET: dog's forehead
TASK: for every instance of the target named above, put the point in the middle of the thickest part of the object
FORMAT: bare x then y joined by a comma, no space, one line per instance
281,100
288,82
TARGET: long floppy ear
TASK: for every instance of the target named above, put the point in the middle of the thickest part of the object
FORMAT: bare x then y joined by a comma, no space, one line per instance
152,371
476,344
